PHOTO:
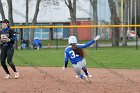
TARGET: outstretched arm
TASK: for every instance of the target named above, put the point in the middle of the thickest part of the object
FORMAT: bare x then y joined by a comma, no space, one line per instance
89,43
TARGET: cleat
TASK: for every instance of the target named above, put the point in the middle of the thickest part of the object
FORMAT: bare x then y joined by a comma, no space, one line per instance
7,76
86,78
16,75
89,76
77,76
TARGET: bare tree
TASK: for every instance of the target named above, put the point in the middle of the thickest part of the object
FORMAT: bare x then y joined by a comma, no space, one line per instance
71,4
114,21
125,20
27,8
27,22
10,12
1,10
95,15
123,5
34,20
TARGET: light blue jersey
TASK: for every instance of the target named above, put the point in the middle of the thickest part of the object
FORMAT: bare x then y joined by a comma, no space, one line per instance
70,54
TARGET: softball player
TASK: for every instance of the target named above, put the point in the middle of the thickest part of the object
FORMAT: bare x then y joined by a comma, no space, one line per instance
74,52
7,50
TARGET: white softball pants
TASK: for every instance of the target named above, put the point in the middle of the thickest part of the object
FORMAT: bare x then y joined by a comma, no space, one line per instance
78,67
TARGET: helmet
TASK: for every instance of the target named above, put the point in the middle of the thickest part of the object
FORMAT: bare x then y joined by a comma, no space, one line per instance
36,37
72,39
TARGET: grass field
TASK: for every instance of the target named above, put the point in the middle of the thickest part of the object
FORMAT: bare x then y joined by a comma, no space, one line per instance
127,58
65,42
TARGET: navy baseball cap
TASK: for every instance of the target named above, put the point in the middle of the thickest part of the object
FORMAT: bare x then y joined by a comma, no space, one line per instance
4,21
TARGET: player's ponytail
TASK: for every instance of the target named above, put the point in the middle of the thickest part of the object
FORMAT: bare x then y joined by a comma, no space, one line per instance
78,51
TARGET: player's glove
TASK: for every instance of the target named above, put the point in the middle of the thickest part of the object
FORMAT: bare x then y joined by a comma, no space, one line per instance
4,38
97,37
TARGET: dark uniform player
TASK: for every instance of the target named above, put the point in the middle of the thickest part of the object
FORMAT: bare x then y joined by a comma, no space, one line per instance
7,50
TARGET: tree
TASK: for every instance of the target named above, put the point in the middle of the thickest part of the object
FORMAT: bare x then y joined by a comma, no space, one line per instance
34,20
114,21
2,11
125,21
72,8
27,23
95,15
10,12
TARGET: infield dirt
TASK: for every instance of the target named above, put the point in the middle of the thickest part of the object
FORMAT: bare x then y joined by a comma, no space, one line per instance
55,80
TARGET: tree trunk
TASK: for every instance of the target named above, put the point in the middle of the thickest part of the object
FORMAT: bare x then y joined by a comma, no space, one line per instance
34,20
95,13
10,12
73,16
95,17
124,33
114,21
72,9
27,22
2,11
51,34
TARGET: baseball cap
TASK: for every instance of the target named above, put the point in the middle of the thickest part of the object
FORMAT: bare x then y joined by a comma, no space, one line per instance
4,21
72,39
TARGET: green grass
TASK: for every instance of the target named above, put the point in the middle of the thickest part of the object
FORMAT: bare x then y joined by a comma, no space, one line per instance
42,57
114,58
120,57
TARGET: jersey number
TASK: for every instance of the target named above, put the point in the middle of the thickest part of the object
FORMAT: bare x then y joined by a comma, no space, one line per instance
72,54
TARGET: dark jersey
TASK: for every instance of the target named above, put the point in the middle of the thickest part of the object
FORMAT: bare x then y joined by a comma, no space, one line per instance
10,34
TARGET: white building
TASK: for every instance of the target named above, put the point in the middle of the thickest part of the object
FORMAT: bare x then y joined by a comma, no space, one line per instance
55,13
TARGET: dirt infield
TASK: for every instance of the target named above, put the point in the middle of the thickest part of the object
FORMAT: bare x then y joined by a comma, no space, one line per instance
55,80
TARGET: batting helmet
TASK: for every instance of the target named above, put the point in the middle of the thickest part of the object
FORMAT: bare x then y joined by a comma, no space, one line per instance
72,39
